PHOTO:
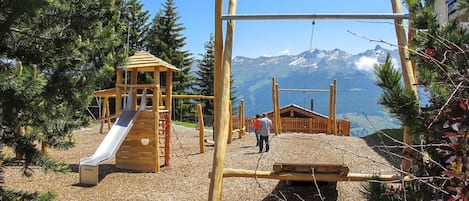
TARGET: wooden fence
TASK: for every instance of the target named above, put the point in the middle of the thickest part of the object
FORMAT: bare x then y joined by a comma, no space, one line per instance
300,125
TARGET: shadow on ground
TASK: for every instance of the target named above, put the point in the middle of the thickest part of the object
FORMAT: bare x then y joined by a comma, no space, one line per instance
295,190
387,153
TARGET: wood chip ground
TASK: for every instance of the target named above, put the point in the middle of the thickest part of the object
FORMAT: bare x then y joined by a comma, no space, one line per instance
187,177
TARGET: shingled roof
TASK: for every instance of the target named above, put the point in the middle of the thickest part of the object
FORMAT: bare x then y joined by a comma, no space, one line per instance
145,61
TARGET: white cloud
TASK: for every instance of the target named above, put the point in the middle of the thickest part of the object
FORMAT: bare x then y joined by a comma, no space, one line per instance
285,51
366,63
396,63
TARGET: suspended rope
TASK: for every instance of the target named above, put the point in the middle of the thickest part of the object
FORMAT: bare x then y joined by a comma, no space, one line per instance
126,48
307,74
312,35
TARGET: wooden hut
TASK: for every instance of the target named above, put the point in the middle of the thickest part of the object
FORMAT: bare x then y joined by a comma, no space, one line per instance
298,119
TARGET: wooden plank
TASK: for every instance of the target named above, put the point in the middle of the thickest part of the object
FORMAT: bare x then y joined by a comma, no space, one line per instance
339,169
294,176
136,143
139,129
145,115
140,136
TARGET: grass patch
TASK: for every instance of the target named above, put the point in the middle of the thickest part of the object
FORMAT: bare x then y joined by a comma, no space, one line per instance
380,138
189,124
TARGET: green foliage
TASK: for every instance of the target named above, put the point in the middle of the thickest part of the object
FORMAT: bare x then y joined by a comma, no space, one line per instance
11,195
205,81
401,103
374,191
441,58
165,41
53,55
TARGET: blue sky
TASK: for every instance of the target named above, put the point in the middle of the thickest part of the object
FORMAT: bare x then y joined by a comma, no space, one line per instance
256,38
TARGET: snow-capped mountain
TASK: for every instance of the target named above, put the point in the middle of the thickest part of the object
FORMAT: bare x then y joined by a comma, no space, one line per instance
313,69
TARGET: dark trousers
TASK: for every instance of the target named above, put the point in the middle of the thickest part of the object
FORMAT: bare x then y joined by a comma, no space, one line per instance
264,139
258,139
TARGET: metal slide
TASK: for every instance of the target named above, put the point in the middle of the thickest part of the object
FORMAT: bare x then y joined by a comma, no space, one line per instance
89,166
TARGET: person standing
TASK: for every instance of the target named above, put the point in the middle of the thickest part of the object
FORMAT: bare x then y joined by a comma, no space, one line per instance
256,129
264,130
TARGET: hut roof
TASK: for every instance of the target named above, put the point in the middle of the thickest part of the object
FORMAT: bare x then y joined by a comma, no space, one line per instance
146,62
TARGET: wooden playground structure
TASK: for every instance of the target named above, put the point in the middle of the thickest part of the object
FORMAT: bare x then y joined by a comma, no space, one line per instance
223,55
150,137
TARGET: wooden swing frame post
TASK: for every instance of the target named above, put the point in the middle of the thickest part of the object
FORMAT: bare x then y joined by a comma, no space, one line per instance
223,66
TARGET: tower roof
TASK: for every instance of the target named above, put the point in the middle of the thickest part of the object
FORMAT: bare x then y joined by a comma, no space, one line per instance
146,62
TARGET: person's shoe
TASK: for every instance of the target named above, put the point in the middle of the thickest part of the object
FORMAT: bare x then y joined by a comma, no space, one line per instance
260,151
257,144
266,150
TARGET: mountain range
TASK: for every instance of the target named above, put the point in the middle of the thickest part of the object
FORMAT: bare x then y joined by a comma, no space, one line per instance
357,94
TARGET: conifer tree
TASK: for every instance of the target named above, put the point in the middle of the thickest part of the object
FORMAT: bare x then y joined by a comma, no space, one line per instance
205,81
137,26
50,54
441,57
165,41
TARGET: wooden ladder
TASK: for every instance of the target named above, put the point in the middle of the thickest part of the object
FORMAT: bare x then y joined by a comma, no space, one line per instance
164,138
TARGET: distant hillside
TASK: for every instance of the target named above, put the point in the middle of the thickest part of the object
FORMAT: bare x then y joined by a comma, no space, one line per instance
316,69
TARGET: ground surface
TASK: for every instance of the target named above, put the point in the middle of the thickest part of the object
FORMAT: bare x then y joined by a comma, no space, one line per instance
187,177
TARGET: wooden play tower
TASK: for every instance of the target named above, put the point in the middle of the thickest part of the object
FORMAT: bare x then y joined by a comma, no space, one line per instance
148,142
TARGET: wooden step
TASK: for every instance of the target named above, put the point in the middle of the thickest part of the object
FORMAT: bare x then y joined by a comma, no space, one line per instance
339,169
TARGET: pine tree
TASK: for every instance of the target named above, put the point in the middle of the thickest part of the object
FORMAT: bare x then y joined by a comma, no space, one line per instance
137,26
166,41
50,54
441,56
205,83
205,75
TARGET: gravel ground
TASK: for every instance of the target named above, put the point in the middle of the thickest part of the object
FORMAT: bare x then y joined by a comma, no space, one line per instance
187,177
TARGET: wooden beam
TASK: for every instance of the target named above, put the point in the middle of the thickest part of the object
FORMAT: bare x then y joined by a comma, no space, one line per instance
303,90
329,120
294,176
334,107
119,81
311,16
408,77
201,128
222,98
230,125
274,105
278,123
193,96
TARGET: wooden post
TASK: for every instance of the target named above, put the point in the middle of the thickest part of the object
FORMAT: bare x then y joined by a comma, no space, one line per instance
334,107
278,123
168,106
222,98
201,128
329,120
108,112
242,130
118,91
133,81
230,126
105,115
274,105
408,77
156,113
